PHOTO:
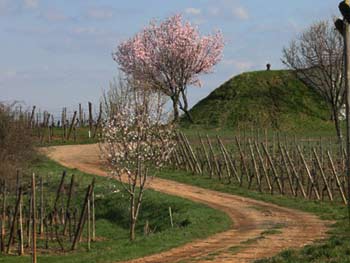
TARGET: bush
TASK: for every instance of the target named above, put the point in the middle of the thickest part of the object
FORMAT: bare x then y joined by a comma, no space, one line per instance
16,144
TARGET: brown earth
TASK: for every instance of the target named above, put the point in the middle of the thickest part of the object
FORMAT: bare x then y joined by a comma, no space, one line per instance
259,229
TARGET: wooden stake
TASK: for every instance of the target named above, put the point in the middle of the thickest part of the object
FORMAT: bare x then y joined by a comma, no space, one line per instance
276,178
14,219
225,158
88,225
98,122
59,190
313,185
339,185
287,170
330,195
206,154
90,119
72,125
171,217
20,230
82,216
214,157
68,204
262,163
295,174
255,165
41,217
93,215
245,168
34,259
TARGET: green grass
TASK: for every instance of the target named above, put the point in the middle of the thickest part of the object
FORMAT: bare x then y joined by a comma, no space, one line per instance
192,221
335,249
81,137
273,99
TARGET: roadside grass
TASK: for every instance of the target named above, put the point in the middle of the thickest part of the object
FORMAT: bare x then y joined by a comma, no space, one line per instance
81,137
192,221
336,248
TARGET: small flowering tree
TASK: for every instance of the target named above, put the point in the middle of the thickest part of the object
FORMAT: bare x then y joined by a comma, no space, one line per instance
137,138
170,56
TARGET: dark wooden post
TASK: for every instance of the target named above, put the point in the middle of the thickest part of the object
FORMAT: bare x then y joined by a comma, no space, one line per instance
82,219
98,122
34,260
80,115
72,125
32,117
90,119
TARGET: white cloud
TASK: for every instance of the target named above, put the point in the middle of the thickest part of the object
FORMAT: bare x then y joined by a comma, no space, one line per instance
31,3
241,13
193,11
100,13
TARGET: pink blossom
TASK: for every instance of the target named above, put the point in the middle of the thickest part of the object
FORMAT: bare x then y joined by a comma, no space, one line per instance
169,55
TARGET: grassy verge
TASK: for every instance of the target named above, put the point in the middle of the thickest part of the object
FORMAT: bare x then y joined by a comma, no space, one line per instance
81,137
191,221
335,249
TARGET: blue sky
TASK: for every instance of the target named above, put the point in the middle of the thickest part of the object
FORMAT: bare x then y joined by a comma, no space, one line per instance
57,53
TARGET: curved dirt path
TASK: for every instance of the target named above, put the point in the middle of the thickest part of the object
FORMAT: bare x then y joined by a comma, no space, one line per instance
245,242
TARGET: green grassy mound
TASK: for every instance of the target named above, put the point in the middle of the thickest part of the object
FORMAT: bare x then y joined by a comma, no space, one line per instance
271,99
191,221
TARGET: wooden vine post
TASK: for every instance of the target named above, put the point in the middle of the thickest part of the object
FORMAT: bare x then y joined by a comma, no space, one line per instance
83,216
34,260
90,119
72,125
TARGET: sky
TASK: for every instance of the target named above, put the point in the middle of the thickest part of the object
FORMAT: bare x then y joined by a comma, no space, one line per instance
57,53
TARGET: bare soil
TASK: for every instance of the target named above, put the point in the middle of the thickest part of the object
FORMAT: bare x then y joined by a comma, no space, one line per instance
259,229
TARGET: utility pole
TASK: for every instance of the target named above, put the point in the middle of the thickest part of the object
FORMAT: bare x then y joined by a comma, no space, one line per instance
344,29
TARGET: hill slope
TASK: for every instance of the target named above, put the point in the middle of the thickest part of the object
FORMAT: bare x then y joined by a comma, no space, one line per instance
265,98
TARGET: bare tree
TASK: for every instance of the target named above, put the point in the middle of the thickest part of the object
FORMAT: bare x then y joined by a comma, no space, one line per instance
137,138
318,60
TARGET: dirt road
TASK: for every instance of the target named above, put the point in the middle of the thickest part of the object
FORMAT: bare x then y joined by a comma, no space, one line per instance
254,233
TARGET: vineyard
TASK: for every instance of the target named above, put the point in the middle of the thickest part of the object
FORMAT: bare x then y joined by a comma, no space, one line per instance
78,125
311,168
39,216
260,159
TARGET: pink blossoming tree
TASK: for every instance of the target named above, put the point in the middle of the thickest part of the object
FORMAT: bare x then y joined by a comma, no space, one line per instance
169,56
137,137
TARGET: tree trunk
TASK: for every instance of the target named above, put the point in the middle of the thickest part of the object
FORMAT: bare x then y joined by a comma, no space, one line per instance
184,108
188,115
132,218
337,125
175,100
